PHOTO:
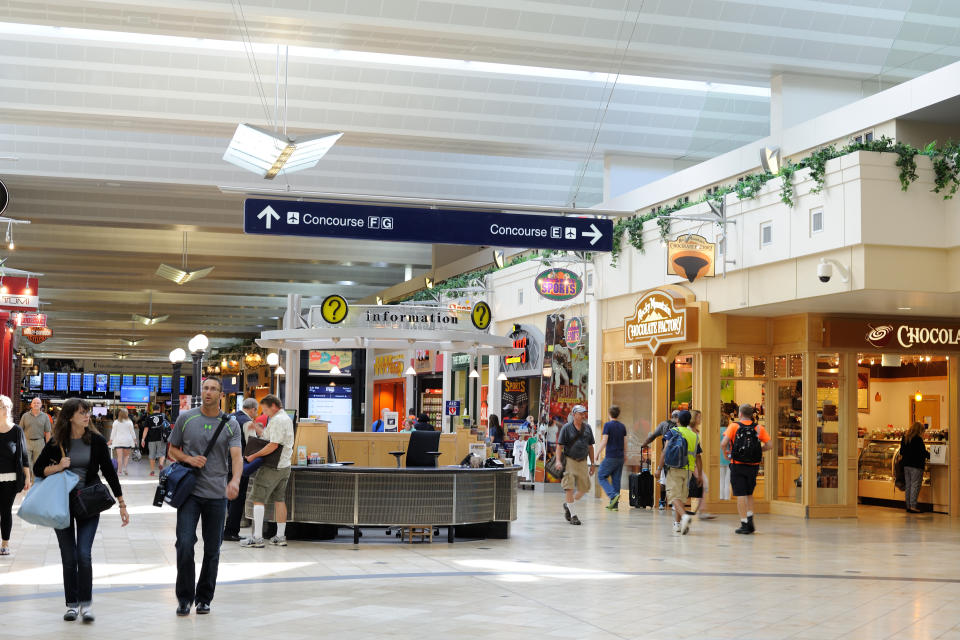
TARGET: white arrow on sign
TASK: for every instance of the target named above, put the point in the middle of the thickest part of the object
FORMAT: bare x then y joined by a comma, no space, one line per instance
596,234
271,215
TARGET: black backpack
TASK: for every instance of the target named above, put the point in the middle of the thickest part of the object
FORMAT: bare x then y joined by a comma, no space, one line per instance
747,448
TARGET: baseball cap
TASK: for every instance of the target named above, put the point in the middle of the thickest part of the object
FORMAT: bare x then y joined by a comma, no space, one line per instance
578,409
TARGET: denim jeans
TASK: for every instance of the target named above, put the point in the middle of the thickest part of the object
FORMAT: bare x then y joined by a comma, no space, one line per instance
612,468
210,513
76,541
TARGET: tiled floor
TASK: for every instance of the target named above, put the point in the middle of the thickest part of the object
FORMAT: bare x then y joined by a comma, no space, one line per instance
620,575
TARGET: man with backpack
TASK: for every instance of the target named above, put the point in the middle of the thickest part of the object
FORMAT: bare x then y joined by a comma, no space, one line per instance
681,457
659,432
743,444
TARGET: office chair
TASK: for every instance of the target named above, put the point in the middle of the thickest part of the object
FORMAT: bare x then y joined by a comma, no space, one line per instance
422,450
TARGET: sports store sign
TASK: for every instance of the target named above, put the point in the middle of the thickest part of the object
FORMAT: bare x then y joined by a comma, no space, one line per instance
896,336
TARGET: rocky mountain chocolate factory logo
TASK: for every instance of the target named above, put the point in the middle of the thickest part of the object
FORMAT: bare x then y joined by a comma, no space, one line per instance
880,336
908,336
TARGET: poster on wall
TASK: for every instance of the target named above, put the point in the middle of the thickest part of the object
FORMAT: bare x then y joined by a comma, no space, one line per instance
324,361
515,399
565,386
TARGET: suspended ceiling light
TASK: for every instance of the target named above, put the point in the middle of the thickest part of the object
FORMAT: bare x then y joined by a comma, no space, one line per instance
132,341
918,396
182,275
379,301
410,371
428,282
149,319
502,376
498,258
474,373
334,370
280,371
267,154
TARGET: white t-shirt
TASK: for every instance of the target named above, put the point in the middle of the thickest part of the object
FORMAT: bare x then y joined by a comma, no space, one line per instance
280,430
122,434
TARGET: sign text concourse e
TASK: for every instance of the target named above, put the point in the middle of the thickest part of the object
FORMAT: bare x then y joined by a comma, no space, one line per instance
421,224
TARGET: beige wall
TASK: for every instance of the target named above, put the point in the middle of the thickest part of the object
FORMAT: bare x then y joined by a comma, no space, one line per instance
894,407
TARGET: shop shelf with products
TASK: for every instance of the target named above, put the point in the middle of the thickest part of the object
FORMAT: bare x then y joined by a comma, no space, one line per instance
431,403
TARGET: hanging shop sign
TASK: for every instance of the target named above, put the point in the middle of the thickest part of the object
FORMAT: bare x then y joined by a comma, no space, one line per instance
515,399
389,365
36,335
31,319
558,284
324,361
691,257
528,362
658,319
879,335
401,317
19,294
573,332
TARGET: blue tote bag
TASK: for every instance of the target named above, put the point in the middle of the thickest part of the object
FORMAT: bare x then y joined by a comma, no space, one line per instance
47,504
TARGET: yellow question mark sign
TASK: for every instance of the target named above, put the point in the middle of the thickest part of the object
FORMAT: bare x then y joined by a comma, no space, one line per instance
481,315
334,309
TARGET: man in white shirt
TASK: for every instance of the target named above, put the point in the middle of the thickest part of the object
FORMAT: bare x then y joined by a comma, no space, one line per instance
270,483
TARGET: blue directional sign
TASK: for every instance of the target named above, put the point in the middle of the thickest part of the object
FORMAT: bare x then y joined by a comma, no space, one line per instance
420,224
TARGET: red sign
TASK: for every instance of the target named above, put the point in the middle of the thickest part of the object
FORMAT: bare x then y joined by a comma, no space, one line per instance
33,319
36,335
19,294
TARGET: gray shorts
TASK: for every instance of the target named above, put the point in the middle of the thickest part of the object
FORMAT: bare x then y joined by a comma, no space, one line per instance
270,485
157,449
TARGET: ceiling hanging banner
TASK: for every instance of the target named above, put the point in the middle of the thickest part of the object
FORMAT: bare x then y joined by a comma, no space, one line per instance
19,294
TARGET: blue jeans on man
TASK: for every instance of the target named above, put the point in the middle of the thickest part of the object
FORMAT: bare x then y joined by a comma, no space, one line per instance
76,543
610,468
210,513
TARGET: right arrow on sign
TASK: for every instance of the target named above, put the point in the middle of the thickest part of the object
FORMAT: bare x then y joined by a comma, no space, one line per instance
596,234
271,215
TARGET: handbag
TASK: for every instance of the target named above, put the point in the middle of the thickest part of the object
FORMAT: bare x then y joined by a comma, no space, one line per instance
178,480
90,501
255,444
47,504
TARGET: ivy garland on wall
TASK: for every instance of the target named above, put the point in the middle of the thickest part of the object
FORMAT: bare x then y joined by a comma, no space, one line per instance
945,169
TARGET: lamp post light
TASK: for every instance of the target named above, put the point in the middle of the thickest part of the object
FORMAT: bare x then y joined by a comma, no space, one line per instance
198,345
177,356
273,361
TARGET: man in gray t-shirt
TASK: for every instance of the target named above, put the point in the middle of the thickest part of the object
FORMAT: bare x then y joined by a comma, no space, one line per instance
574,446
207,505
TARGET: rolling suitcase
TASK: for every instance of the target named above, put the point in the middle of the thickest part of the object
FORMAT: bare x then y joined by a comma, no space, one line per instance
634,484
645,490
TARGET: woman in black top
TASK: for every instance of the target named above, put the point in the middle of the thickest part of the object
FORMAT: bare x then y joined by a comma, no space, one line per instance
915,455
14,470
75,446
496,431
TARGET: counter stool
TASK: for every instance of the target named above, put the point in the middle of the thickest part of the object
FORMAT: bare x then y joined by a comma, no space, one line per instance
398,455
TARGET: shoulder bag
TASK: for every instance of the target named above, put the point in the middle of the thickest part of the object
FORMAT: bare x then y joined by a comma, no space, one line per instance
89,500
255,444
178,480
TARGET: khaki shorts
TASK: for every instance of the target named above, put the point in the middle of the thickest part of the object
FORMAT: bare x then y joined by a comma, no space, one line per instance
576,475
270,485
678,484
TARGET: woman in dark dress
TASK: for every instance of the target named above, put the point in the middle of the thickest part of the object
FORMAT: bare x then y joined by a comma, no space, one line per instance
915,456
77,447
14,470
496,431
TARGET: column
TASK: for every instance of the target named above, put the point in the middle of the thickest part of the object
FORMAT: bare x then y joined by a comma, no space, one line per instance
447,391
410,383
494,387
369,413
706,398
594,329
290,358
809,429
848,452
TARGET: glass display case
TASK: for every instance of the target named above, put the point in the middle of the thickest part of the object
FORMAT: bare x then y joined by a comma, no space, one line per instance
875,478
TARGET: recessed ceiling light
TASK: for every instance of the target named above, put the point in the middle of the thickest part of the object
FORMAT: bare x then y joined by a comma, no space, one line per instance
346,283
904,308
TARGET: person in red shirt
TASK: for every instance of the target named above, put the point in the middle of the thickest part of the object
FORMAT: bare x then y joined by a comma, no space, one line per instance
743,473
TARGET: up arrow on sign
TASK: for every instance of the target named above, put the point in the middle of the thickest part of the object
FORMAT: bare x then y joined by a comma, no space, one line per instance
270,214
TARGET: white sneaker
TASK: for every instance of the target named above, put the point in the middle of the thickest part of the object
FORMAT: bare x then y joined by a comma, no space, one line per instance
254,543
86,615
676,527
685,523
279,541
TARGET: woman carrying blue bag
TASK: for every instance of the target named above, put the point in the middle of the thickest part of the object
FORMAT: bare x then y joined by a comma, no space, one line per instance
77,448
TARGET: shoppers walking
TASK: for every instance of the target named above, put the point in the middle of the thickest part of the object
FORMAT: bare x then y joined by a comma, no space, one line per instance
678,476
207,505
14,470
574,446
270,483
153,438
244,417
123,440
915,456
743,443
659,432
37,427
611,467
75,446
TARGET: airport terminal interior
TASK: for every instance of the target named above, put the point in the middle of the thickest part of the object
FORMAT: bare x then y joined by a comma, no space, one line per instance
472,319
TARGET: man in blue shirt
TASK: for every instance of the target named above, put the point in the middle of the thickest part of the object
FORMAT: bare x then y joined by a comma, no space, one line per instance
611,443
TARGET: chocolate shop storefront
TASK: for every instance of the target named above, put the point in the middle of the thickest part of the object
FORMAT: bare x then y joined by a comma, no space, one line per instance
836,393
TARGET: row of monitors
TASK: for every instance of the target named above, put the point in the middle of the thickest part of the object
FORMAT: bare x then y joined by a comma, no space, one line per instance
101,382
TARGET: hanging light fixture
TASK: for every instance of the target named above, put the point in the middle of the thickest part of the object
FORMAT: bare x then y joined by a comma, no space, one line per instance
334,370
267,154
502,376
474,373
280,371
428,282
182,275
149,319
410,371
10,244
918,396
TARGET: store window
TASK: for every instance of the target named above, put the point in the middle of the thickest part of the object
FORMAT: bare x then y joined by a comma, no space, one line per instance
828,428
630,387
681,383
787,373
743,381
